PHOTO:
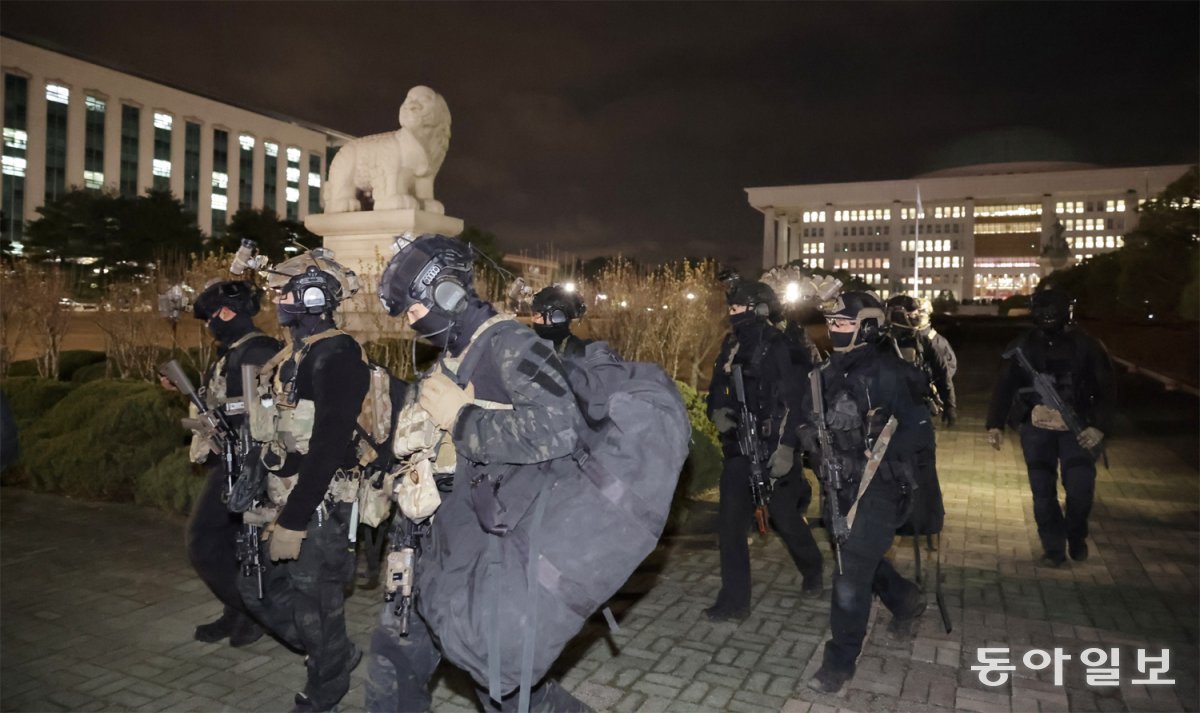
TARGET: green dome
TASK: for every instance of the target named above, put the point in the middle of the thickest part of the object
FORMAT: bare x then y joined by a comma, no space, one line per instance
1022,149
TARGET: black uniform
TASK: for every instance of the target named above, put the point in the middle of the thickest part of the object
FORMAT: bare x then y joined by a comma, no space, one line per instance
211,529
1083,377
304,598
518,370
920,351
862,388
773,397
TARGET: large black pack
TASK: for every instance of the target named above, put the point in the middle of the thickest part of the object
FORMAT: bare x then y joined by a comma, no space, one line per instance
522,556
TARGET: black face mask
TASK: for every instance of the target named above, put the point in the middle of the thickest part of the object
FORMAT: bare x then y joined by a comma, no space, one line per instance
841,340
288,315
553,332
434,328
229,332
742,320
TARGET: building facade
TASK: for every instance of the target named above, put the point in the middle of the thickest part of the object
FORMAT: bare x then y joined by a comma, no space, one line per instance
980,233
71,123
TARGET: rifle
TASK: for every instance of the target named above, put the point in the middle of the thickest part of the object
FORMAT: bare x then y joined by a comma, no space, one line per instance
401,566
829,471
1050,397
235,447
751,447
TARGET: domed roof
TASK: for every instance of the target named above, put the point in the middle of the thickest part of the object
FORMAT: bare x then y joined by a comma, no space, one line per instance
1013,150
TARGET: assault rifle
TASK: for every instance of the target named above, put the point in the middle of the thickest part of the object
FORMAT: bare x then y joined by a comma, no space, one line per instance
1044,387
235,447
751,447
829,471
401,566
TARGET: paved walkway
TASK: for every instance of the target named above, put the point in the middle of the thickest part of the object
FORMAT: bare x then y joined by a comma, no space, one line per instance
99,605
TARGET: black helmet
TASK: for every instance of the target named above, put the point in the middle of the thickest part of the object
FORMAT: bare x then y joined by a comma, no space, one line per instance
1051,309
904,312
238,295
758,296
557,305
865,309
433,270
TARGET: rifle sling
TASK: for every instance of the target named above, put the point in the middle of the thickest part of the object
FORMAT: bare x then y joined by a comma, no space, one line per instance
873,461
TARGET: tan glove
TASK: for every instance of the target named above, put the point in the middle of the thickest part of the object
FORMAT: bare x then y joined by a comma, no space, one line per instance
782,461
260,517
285,543
995,437
1090,437
443,399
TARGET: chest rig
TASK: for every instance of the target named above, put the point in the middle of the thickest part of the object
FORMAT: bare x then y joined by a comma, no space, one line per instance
214,393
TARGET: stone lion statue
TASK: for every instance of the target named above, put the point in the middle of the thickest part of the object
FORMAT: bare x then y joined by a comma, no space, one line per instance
396,168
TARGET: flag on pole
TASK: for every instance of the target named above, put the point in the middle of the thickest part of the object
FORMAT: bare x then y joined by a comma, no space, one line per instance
917,243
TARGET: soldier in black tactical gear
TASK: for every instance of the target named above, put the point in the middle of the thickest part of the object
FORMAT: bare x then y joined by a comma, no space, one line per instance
905,315
510,404
863,388
317,387
554,308
1082,375
772,391
227,308
940,343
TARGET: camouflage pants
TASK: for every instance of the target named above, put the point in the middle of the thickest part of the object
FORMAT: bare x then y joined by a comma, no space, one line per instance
399,669
303,605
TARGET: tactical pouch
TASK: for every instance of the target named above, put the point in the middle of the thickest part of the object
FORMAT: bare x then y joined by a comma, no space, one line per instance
344,486
1047,418
260,414
278,489
416,490
376,415
203,444
295,425
375,498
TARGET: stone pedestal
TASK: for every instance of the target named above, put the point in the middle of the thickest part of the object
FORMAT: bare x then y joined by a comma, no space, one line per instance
1051,263
362,241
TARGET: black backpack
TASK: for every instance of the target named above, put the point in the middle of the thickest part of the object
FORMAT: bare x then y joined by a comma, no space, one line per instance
519,563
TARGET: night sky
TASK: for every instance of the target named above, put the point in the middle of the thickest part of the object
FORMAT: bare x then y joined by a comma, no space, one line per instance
603,128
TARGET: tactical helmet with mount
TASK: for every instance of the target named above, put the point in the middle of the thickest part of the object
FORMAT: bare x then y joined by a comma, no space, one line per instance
433,270
757,296
238,295
557,305
316,281
904,312
862,308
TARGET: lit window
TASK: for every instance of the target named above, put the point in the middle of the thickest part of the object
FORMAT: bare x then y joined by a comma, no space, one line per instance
271,149
161,168
220,202
94,104
293,174
293,195
821,216
220,180
1120,241
314,180
293,154
887,263
58,93
93,179
14,166
15,138
163,121
1121,206
247,142
1110,242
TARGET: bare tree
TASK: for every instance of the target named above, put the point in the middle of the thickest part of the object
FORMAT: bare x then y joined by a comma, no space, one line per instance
48,310
15,287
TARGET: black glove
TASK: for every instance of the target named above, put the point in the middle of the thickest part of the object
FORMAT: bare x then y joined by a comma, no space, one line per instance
950,416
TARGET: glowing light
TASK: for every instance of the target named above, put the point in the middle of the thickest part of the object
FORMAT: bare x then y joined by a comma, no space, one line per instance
569,287
691,295
791,292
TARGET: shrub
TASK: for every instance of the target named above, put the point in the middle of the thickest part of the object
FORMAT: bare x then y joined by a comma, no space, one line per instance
31,397
173,483
91,372
98,440
702,469
73,360
23,368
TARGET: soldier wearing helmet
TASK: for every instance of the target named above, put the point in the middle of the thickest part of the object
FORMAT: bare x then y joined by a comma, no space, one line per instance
1082,374
905,317
227,308
314,390
864,388
772,391
499,396
554,308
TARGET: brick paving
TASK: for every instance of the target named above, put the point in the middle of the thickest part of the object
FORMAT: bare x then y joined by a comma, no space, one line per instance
99,605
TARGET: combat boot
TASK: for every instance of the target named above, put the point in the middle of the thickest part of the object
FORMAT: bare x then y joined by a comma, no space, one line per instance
829,679
218,629
245,631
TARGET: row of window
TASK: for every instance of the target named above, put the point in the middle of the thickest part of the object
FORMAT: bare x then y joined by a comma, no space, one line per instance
935,228
814,216
928,246
840,216
1092,224
1008,210
814,232
863,264
58,98
866,230
1000,263
812,248
1008,228
1097,241
1110,206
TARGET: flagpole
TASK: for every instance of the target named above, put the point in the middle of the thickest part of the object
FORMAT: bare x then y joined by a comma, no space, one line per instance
917,243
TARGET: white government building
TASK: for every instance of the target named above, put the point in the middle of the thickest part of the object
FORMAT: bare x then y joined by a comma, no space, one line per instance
982,230
72,123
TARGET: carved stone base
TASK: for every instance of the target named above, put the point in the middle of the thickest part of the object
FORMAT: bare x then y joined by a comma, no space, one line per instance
1051,264
359,240
362,241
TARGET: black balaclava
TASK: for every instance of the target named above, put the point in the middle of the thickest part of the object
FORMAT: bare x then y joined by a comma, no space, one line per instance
226,333
841,340
556,333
